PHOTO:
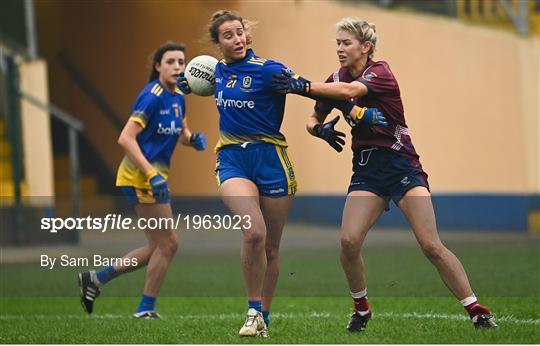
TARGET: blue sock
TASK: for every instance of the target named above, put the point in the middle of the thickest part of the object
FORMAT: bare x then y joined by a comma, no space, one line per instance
255,304
266,316
106,274
147,304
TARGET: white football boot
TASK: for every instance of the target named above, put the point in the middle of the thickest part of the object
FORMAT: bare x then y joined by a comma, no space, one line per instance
254,324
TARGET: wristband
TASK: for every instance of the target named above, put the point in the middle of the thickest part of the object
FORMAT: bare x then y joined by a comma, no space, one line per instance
152,173
360,113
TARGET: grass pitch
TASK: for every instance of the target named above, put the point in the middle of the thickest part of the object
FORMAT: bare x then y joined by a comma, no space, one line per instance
294,320
202,299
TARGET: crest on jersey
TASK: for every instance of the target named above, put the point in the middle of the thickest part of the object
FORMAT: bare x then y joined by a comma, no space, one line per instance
246,82
369,75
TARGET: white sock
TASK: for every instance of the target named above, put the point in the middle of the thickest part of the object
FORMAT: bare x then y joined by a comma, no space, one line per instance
469,300
360,294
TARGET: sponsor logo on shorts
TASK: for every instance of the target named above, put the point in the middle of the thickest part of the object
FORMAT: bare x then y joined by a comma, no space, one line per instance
358,183
280,190
405,181
273,189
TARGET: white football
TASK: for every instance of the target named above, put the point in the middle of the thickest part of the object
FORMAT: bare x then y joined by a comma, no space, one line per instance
201,75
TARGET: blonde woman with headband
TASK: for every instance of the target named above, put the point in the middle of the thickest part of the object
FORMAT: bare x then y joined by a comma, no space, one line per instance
386,166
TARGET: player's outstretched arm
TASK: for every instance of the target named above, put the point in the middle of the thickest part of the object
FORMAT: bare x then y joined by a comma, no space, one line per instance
338,90
288,82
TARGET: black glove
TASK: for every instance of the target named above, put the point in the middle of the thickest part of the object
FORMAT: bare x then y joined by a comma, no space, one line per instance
288,82
328,133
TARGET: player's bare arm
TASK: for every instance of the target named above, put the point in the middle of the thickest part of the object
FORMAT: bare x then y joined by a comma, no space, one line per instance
186,133
314,120
197,140
128,142
338,90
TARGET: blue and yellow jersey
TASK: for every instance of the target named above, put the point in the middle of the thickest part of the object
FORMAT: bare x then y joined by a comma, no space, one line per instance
249,110
160,113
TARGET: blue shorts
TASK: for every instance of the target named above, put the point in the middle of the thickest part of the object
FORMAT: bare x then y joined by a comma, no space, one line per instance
267,165
135,195
386,173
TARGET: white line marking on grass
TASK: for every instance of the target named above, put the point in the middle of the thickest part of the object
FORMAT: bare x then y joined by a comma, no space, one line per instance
283,315
508,318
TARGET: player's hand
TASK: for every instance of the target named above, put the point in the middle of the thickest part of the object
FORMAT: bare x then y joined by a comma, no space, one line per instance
160,188
371,117
328,133
288,82
198,141
182,84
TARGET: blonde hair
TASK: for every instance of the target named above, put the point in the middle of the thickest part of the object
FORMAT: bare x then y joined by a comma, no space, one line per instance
362,31
222,16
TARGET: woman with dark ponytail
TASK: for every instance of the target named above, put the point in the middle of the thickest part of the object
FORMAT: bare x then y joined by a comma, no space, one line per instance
157,122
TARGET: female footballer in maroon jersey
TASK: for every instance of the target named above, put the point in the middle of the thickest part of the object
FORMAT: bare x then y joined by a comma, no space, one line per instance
385,164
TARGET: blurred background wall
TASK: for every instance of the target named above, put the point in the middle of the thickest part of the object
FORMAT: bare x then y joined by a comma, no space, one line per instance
470,91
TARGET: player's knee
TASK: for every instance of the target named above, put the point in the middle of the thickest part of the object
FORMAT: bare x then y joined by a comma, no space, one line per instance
433,250
272,253
169,250
255,236
169,246
150,248
350,246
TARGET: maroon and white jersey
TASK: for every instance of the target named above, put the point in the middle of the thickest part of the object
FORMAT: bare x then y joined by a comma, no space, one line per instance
383,93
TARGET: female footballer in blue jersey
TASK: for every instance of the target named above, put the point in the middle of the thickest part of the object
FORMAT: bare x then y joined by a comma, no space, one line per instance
157,122
254,172
385,165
